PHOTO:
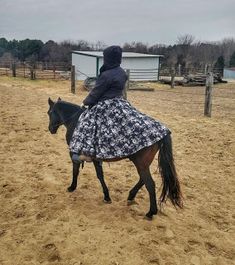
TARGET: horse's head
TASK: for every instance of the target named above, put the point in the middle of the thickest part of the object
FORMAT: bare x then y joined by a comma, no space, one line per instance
54,118
62,112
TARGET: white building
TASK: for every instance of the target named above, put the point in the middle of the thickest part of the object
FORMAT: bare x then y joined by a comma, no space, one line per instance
141,66
229,73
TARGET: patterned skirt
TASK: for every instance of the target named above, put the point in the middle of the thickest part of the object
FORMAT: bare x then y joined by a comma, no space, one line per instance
114,129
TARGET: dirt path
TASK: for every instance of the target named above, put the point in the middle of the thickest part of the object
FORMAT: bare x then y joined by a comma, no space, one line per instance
40,223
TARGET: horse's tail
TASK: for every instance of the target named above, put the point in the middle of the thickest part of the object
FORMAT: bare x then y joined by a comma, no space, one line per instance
171,185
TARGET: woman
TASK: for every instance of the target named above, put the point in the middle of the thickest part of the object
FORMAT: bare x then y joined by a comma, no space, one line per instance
111,127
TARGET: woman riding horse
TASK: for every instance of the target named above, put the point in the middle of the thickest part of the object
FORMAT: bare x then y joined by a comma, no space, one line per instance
111,128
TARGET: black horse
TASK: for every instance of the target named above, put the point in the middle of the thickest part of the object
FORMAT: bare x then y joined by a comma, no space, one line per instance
67,114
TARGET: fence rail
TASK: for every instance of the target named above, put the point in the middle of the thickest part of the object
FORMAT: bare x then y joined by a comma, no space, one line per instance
61,70
180,72
35,70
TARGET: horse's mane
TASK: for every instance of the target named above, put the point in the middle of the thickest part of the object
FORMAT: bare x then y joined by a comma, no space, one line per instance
65,103
68,108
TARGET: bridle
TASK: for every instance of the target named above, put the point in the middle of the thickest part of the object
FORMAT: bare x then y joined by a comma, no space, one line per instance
65,121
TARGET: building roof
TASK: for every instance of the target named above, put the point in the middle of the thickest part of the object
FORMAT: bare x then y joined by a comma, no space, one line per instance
99,54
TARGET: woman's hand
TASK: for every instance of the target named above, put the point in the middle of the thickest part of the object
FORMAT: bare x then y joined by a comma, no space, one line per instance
83,107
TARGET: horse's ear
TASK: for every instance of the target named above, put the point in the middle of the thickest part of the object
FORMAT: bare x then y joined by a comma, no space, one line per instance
59,99
50,102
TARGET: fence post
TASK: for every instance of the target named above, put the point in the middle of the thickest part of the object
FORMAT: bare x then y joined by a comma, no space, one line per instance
54,67
172,77
207,68
13,66
127,85
73,79
208,94
179,69
24,69
32,73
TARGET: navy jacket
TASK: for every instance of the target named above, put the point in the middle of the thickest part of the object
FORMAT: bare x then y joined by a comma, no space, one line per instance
110,84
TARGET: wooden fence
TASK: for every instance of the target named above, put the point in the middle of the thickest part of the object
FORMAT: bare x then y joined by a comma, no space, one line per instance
60,71
35,71
138,75
180,72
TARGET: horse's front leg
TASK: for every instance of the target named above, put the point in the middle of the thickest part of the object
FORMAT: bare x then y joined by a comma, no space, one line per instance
76,167
100,175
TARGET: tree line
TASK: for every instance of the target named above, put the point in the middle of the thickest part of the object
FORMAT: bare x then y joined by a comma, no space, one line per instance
186,52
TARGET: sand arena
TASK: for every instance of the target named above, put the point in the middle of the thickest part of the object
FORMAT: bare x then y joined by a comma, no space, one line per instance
41,223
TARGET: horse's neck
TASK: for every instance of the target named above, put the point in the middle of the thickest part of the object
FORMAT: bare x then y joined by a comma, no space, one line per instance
70,124
70,129
70,119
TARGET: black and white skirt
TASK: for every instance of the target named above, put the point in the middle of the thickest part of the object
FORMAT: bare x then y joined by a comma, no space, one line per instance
115,129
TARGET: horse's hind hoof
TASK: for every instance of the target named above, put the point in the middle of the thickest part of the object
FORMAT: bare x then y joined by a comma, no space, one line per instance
131,202
107,201
149,215
71,189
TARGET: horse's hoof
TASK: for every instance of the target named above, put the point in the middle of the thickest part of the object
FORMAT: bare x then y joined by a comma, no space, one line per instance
71,189
149,215
107,201
131,202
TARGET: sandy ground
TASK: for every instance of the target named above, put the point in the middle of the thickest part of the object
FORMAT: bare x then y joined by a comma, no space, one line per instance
41,223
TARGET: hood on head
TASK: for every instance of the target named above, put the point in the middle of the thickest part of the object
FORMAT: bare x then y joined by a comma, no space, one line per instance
112,58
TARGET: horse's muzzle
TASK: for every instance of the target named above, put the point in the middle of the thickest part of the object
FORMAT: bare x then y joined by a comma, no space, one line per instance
52,130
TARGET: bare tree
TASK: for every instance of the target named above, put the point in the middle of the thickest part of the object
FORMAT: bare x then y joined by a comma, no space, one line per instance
99,46
183,49
227,49
7,59
185,39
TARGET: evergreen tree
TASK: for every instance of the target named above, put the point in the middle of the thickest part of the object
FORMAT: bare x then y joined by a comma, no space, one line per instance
3,43
232,60
28,48
219,65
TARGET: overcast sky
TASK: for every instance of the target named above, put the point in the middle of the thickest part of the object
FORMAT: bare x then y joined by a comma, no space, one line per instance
117,21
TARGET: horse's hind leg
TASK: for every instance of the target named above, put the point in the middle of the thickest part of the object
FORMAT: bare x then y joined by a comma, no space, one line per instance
135,190
100,175
145,175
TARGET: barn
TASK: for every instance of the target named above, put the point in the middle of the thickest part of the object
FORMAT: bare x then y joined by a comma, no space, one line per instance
141,66
229,73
